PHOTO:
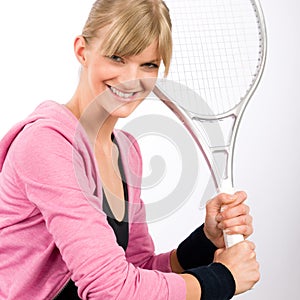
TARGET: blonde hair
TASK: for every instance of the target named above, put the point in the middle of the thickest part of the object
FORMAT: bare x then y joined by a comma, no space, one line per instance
134,25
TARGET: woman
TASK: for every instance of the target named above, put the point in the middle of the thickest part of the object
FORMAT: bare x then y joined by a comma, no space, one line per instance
71,219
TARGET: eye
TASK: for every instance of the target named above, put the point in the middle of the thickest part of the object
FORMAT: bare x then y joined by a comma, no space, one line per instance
151,65
116,58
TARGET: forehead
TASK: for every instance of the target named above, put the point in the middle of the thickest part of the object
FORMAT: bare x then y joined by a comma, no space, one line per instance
151,53
116,41
148,52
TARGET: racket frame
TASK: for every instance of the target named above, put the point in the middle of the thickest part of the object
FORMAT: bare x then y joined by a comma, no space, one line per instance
223,185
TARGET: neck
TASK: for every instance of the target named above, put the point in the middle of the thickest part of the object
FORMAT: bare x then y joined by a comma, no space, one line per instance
96,121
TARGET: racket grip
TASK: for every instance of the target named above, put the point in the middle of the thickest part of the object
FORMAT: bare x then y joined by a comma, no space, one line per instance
230,239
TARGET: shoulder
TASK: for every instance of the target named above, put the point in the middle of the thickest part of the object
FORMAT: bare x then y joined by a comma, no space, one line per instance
49,135
51,123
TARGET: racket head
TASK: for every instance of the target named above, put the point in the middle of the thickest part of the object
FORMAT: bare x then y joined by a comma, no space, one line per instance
218,59
219,52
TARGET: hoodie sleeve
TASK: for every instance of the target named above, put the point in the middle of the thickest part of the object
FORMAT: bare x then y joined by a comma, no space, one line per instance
56,177
141,251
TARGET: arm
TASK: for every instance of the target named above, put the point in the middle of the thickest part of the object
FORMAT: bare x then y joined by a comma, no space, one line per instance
193,288
199,247
221,279
234,271
56,178
140,250
238,262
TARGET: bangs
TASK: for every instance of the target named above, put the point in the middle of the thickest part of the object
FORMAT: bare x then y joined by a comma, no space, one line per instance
128,27
128,38
132,34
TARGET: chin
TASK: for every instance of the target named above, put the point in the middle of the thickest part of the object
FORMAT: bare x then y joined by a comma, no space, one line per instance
125,110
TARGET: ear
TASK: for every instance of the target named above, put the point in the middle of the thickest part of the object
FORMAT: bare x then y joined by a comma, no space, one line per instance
80,49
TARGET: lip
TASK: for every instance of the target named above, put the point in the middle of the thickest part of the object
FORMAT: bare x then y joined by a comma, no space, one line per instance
124,96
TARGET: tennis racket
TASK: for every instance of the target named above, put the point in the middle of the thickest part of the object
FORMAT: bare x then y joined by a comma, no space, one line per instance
218,60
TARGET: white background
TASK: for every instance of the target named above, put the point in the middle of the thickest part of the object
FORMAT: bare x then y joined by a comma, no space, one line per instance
37,63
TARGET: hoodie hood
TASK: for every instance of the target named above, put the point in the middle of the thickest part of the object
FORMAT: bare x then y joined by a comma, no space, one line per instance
45,111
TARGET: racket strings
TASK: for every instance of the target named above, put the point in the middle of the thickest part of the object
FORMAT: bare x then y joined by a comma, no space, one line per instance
216,52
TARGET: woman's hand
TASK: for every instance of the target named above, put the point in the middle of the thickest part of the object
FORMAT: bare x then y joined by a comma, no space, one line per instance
229,213
240,259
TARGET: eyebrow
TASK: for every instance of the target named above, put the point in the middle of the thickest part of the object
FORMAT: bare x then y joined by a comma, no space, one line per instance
156,60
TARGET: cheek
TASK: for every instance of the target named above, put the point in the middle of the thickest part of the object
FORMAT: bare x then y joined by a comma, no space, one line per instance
99,72
96,78
149,83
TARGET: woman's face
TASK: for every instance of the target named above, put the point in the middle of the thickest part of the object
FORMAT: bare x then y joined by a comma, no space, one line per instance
119,84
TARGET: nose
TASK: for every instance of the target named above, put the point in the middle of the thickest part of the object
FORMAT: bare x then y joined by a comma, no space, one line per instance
130,78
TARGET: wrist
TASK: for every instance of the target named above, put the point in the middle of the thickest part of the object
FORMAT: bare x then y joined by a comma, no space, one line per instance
196,250
216,281
175,265
207,233
193,289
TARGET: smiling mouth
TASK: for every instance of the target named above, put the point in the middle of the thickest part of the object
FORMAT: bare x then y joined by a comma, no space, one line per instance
121,94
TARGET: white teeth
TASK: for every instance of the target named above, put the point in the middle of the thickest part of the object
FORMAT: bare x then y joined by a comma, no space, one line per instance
121,94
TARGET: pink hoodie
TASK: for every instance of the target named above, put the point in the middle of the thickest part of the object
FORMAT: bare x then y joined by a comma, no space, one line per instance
52,227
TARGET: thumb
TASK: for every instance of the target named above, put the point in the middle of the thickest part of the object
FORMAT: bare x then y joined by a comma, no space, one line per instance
234,200
219,201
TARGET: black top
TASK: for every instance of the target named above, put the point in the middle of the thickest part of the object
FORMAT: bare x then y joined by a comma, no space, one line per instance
120,229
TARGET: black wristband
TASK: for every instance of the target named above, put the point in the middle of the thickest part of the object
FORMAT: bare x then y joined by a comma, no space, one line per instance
196,250
217,282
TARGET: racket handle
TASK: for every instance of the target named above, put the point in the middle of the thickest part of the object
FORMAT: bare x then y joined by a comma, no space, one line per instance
230,239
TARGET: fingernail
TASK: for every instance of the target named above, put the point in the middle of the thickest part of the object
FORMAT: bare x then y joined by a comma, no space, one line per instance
224,207
233,197
219,218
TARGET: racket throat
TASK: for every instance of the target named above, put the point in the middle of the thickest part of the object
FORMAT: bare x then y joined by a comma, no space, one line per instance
222,166
216,132
226,186
219,136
